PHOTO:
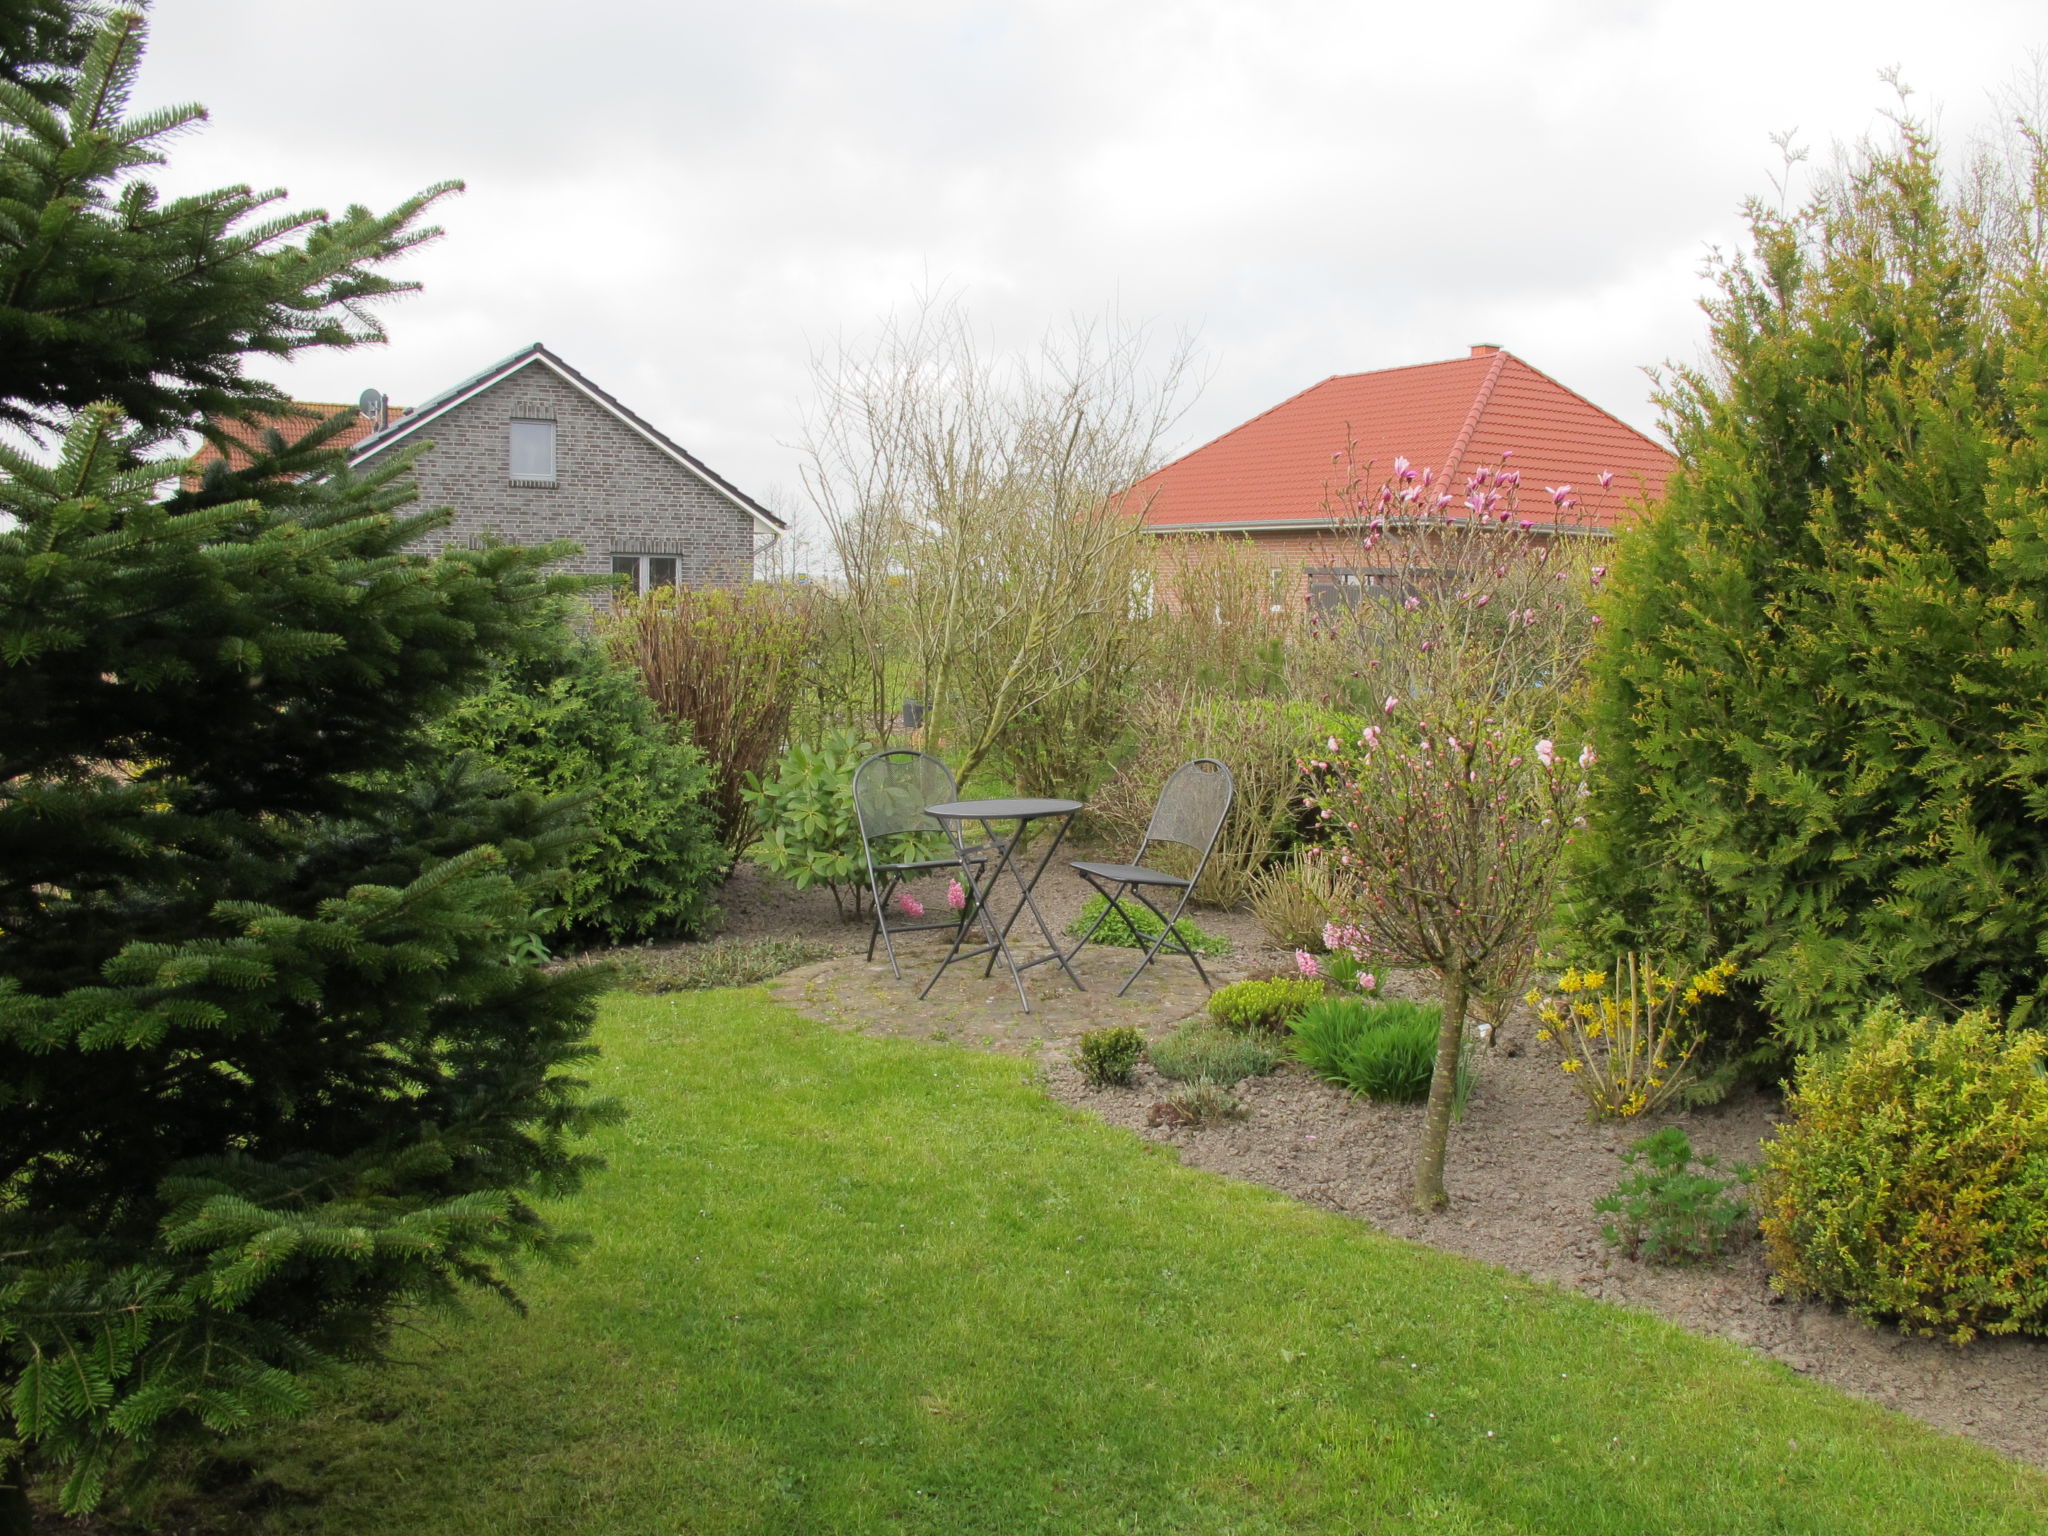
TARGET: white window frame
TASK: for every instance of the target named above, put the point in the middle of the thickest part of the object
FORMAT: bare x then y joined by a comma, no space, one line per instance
512,455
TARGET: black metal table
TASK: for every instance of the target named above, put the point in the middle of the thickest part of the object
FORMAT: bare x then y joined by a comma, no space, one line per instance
956,816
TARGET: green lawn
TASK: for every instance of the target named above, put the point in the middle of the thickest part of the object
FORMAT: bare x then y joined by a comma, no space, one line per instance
843,1285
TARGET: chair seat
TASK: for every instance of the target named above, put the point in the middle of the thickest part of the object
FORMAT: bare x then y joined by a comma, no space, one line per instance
974,856
1129,874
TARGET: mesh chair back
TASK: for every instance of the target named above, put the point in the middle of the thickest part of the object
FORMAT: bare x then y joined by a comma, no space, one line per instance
1192,806
891,790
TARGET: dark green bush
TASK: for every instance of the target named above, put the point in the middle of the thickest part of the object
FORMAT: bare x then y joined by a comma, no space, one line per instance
1199,1052
1108,1057
1673,1207
1821,697
1269,1003
1384,1049
1911,1183
804,808
1117,934
567,720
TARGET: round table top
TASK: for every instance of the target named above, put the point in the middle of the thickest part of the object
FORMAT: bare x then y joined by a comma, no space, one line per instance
1001,810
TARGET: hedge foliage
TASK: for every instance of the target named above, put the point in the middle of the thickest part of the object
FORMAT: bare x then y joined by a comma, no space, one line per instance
1912,1182
1822,697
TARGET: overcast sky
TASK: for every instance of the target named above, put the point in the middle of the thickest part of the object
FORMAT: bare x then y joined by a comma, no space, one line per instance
688,200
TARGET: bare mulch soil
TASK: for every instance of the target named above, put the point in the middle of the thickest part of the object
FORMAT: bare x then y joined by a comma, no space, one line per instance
1525,1166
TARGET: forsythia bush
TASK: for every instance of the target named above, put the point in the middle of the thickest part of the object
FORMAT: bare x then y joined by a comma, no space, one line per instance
1627,1041
1912,1183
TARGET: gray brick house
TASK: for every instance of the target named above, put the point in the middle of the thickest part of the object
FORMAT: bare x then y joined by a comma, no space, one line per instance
530,450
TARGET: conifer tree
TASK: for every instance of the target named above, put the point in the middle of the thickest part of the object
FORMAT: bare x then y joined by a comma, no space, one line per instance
1820,689
270,1069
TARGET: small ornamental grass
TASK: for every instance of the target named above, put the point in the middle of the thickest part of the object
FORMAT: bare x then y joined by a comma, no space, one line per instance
1271,1003
1911,1183
1199,1105
1200,1052
1117,933
1296,900
1674,1207
1108,1057
1627,1041
1385,1050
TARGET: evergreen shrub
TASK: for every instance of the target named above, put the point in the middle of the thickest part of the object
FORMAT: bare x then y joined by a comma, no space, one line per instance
568,720
1198,1052
1911,1183
1108,1057
1269,1003
1821,694
1384,1049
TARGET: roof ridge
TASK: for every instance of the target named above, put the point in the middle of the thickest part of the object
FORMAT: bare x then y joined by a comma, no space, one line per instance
1479,403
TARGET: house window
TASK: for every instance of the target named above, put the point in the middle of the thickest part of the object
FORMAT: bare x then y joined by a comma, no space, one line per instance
533,453
646,572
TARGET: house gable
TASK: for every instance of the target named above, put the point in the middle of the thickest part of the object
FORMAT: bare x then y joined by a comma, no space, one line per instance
620,489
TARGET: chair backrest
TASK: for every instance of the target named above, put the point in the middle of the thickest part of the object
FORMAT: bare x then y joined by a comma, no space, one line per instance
891,790
1192,804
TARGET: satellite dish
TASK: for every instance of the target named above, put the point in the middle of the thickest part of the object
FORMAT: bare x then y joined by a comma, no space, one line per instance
372,406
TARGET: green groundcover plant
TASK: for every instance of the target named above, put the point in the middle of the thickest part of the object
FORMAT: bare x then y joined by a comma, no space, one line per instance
1269,1003
1197,1051
1142,929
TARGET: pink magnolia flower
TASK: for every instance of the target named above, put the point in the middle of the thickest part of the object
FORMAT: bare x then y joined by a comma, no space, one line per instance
1391,705
1306,964
1546,752
1561,494
1606,478
1411,603
956,896
1599,572
909,905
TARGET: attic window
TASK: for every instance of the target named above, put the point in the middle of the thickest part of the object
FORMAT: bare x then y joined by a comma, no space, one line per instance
533,453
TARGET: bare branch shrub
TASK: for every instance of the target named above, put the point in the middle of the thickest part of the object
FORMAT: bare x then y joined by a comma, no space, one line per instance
980,512
727,662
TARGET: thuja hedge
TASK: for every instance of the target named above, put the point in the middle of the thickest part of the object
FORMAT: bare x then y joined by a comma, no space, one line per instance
1822,695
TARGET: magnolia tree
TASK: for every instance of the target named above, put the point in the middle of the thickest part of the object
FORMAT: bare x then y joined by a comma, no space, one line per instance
1449,836
1447,820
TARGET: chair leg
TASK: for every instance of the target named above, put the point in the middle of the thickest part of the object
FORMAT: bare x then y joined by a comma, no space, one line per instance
1166,931
1109,905
881,923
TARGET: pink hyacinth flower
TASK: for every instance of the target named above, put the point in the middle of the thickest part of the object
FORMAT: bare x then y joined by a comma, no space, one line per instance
909,905
956,896
1306,964
1367,982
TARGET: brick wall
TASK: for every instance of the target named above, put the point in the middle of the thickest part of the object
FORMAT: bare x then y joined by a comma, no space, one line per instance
614,491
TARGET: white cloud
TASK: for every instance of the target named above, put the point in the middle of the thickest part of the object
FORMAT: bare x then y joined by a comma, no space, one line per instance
687,200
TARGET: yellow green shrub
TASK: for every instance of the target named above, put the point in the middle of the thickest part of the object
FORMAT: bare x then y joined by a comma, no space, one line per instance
1911,1184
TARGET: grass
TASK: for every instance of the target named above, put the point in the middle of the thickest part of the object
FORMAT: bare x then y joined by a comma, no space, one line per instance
845,1285
718,963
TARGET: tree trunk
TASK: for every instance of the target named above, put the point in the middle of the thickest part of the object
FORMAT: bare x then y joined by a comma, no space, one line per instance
1443,1093
16,1519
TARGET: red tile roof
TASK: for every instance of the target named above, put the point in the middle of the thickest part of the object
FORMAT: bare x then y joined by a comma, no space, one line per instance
1282,467
302,415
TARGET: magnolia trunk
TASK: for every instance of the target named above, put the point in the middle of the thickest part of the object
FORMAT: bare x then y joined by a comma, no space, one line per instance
1443,1093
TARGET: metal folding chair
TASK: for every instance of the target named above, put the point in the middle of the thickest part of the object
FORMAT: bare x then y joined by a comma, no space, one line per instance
890,792
1190,812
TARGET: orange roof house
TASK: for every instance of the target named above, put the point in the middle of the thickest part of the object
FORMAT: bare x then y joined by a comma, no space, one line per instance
295,420
1280,477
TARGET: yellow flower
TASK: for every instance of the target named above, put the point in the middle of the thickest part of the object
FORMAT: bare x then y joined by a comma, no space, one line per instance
1543,1034
1570,1064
